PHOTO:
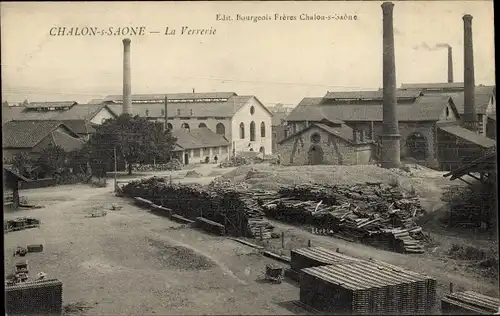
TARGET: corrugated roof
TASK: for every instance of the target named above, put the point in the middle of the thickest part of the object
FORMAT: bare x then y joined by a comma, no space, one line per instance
67,142
173,96
425,108
198,109
362,275
76,112
55,104
199,138
27,134
469,136
474,299
439,85
482,99
370,95
343,131
323,255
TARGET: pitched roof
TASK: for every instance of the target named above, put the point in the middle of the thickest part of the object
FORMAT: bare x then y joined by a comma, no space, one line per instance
80,126
485,163
188,109
343,131
55,104
425,108
370,95
27,134
198,138
482,99
66,141
76,112
469,136
433,86
118,98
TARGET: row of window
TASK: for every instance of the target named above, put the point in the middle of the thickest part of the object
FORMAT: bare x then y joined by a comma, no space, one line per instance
252,130
206,151
219,128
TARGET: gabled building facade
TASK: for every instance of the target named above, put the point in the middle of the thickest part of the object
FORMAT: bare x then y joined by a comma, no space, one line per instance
243,120
421,118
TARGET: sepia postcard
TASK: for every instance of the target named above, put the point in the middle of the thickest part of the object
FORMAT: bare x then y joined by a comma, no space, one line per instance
249,158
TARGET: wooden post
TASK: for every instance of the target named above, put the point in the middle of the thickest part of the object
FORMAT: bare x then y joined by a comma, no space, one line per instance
170,213
451,287
282,239
338,250
309,243
261,236
15,194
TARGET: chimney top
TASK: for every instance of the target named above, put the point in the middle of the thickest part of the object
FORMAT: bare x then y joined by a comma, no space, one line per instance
387,6
467,17
126,41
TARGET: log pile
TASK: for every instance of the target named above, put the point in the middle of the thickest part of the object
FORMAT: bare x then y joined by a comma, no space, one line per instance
371,213
230,206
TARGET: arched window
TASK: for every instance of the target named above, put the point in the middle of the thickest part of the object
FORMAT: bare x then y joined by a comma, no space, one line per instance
262,129
220,129
252,110
202,125
447,112
242,130
185,126
169,126
252,131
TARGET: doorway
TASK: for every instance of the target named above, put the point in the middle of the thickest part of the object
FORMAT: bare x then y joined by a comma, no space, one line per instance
315,155
186,159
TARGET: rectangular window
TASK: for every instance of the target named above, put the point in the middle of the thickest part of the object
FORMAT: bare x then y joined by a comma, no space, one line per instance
178,111
162,112
206,151
196,152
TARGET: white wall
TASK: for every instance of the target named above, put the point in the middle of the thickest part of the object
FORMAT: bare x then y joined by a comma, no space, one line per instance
103,114
260,115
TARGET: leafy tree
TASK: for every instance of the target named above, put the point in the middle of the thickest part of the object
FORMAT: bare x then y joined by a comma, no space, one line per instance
136,140
24,164
25,102
52,160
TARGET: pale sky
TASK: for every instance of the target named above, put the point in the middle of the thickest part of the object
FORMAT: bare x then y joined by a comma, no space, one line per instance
277,61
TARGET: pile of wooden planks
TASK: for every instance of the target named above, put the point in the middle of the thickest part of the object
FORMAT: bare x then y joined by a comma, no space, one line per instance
372,213
237,210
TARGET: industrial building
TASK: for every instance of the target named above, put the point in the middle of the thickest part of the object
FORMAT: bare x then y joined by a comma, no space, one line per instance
243,120
32,137
80,118
280,113
420,121
200,145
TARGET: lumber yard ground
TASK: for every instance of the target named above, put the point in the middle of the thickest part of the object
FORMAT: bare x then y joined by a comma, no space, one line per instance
134,262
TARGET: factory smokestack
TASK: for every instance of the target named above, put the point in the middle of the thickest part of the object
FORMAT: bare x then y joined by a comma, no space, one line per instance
390,131
450,65
469,118
127,84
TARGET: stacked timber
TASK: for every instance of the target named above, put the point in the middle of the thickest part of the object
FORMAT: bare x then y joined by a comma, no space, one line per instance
20,223
469,303
365,287
230,206
372,213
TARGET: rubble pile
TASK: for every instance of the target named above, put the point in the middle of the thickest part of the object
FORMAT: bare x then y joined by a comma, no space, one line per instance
372,213
235,162
221,202
20,223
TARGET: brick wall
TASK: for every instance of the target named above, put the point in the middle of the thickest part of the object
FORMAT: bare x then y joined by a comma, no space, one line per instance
427,129
335,150
36,298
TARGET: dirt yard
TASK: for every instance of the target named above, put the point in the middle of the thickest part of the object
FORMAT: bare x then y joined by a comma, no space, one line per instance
134,262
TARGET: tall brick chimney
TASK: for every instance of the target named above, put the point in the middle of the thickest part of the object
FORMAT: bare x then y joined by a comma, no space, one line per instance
390,130
127,84
450,65
469,119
